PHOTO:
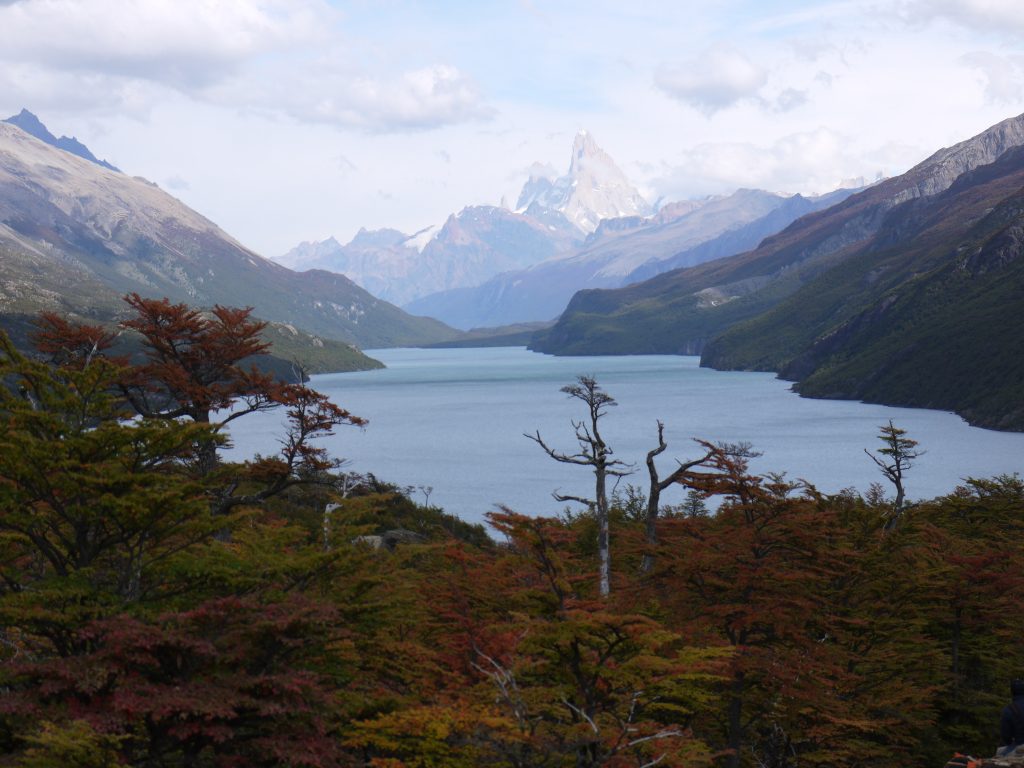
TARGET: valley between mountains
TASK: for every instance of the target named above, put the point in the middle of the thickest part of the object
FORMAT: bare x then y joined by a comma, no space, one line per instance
906,291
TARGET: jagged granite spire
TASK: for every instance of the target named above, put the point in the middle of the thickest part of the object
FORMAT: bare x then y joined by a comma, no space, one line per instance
594,188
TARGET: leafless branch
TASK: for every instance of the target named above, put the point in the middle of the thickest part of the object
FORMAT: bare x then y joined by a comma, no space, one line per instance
565,458
580,713
560,497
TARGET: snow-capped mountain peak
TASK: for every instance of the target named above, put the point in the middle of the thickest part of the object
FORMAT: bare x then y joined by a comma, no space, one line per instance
594,188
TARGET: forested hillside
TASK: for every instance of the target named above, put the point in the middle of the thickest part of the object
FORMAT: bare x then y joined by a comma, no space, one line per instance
915,318
164,607
907,293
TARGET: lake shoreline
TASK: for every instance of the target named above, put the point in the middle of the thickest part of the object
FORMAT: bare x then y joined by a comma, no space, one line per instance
453,420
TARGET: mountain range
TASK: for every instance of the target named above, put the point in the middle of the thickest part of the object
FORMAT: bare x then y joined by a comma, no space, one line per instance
621,251
76,235
466,250
589,228
553,215
909,293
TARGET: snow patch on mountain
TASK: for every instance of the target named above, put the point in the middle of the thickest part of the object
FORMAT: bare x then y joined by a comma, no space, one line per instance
421,239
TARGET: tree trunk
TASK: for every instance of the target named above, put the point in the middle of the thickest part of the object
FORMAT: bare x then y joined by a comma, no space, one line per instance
651,534
735,722
603,534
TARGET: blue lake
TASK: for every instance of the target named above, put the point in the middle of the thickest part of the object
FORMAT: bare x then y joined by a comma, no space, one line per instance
453,420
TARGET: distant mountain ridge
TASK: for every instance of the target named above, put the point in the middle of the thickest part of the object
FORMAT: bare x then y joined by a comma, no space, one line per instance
467,249
31,125
489,266
77,235
621,251
552,216
909,292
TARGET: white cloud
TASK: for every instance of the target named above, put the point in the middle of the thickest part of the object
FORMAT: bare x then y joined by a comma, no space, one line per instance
182,43
789,99
1003,76
275,56
539,170
807,162
412,100
1000,16
719,78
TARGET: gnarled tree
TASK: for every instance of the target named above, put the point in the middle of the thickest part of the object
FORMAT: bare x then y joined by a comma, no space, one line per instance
595,453
195,370
895,457
658,484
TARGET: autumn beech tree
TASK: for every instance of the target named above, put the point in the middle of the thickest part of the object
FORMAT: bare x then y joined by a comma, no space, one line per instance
108,549
232,681
106,467
545,674
593,452
753,579
87,497
194,370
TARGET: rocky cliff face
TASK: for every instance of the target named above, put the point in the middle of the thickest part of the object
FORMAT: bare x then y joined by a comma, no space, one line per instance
940,170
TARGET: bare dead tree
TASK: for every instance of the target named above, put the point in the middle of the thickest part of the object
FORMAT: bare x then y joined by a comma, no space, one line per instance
679,475
594,453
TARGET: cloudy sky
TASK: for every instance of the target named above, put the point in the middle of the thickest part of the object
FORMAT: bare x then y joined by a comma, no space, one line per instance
291,120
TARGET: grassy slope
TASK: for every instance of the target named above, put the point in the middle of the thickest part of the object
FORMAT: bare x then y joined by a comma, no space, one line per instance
952,342
516,335
314,354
